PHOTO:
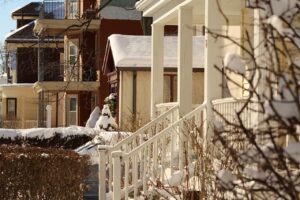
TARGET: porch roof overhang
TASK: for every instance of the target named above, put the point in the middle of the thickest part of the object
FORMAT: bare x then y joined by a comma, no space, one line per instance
55,27
66,86
135,51
166,11
13,46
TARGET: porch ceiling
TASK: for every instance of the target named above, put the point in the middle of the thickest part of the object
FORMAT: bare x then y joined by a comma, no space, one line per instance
55,27
166,11
11,47
66,86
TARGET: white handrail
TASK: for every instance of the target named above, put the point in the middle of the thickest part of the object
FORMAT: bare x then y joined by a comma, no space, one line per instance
141,130
160,152
136,139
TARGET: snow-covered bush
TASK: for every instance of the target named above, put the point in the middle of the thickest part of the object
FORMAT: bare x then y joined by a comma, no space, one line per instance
106,122
67,138
111,101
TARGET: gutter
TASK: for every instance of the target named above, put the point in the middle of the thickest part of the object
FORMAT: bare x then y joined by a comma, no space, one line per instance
142,4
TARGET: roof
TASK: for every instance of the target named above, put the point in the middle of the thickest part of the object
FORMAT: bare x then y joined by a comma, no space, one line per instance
120,3
25,34
120,9
135,51
52,9
31,9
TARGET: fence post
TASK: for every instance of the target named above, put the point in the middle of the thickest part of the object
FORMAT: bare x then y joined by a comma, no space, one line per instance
116,159
102,150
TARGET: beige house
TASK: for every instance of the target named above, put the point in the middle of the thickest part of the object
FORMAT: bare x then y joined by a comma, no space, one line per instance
19,106
128,67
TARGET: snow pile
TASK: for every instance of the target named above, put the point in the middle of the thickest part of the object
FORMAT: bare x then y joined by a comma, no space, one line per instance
104,138
106,122
94,116
234,63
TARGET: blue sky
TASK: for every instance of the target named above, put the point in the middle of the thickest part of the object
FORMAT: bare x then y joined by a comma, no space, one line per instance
6,22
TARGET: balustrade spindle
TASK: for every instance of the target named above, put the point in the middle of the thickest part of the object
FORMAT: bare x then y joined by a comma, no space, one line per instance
135,175
126,179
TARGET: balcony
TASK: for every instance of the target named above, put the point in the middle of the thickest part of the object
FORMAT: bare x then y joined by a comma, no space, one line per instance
61,17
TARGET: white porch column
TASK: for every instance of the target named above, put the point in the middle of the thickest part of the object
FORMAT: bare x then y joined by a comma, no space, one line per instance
185,59
213,54
157,70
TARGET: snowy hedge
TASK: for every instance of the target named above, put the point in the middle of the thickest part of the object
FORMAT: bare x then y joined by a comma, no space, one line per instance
35,173
67,138
57,141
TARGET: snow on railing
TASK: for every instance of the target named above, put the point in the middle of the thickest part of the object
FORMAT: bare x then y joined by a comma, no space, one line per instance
157,159
131,142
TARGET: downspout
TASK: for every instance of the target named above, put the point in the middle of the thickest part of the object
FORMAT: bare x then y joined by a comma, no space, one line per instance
56,114
134,75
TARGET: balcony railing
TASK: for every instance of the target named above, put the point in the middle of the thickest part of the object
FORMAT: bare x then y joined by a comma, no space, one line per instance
69,9
53,9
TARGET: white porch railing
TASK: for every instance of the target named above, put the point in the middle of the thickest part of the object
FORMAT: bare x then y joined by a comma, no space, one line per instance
229,107
128,144
149,163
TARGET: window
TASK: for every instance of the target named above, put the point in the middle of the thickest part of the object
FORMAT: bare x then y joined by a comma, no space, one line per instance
11,108
170,88
73,69
72,110
73,9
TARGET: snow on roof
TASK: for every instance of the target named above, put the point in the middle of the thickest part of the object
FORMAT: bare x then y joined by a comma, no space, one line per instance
135,51
19,29
116,12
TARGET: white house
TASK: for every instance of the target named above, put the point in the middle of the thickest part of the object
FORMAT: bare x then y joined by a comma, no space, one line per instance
158,150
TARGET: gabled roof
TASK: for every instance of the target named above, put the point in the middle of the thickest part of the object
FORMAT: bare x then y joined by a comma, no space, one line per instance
32,9
120,9
25,34
135,51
